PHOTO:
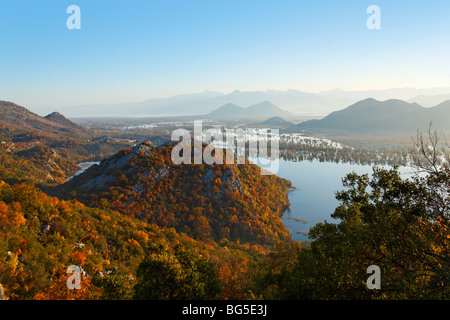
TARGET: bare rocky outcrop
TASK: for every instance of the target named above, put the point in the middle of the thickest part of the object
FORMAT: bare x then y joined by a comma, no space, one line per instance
118,162
157,174
142,149
208,176
100,181
230,182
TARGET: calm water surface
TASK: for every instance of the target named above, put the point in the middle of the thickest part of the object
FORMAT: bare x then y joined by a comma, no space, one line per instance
314,199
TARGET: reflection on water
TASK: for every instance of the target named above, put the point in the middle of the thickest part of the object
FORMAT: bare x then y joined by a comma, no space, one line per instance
314,200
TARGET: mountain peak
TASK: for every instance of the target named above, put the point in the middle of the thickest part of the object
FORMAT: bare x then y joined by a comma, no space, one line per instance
264,104
260,111
58,118
230,105
443,105
55,116
54,113
385,117
225,111
277,121
370,99
54,125
391,105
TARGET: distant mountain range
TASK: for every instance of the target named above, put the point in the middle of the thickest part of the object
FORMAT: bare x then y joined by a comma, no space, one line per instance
295,101
261,111
371,116
368,116
430,101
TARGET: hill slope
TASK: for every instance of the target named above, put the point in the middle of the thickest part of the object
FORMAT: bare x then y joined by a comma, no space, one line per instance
25,123
233,202
57,117
44,149
41,236
371,116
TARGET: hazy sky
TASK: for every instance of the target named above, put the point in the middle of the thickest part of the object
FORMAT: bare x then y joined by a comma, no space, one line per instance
132,50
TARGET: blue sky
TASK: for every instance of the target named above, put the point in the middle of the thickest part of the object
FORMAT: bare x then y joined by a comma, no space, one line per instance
132,50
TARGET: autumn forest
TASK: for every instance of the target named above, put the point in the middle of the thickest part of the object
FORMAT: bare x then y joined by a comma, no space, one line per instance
141,227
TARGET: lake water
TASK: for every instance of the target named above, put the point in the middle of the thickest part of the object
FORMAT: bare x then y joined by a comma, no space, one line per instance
314,199
83,167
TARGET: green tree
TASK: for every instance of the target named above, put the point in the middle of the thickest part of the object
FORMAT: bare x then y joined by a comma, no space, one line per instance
183,275
398,225
114,287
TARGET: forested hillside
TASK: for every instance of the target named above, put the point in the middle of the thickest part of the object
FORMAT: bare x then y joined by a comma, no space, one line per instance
219,202
45,149
40,236
141,227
